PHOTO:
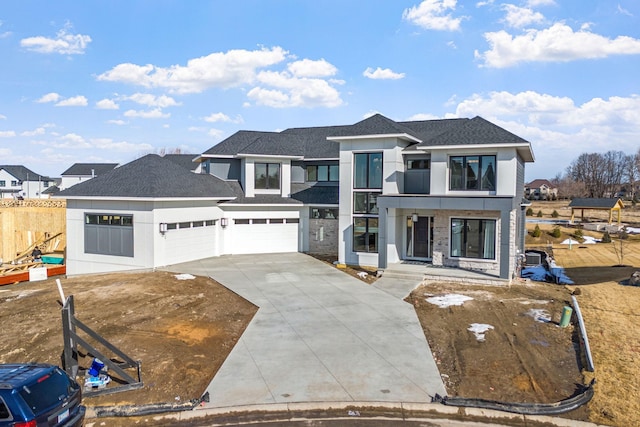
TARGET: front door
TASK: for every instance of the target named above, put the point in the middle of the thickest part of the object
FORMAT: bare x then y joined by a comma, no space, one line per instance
420,237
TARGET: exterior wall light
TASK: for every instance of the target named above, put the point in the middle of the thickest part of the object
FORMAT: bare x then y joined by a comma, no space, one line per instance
224,222
414,217
163,227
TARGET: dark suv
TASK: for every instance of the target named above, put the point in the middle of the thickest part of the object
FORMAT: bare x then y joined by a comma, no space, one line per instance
34,395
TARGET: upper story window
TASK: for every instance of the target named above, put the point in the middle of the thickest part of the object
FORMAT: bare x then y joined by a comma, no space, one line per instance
14,183
472,173
367,169
267,176
3,183
418,164
323,173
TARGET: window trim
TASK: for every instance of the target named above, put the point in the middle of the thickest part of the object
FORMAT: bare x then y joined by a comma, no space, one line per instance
366,234
368,171
464,167
464,254
267,185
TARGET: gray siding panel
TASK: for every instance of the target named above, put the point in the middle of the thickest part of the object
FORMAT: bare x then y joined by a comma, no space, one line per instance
225,168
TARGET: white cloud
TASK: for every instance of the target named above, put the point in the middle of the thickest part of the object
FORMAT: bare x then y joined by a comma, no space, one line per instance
559,43
149,114
37,131
117,122
70,140
122,146
382,74
292,91
3,117
222,70
149,100
50,97
7,133
536,3
624,11
520,17
217,117
63,43
5,152
432,15
107,104
76,101
311,68
216,133
423,116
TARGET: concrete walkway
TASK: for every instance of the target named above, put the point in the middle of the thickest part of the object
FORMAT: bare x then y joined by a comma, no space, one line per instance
320,335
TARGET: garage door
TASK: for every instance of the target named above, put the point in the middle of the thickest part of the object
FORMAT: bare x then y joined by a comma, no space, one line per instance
261,236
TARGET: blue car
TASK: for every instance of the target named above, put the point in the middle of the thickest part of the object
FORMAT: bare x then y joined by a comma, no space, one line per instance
35,395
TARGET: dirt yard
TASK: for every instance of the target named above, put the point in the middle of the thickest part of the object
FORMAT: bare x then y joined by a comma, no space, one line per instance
181,330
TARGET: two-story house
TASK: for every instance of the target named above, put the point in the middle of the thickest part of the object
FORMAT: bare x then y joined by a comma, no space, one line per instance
377,192
17,181
541,189
81,172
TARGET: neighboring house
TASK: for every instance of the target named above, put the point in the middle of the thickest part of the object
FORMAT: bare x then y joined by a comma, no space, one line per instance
449,192
541,189
17,181
81,172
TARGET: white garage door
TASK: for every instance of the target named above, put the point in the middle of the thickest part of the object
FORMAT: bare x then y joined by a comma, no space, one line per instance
261,236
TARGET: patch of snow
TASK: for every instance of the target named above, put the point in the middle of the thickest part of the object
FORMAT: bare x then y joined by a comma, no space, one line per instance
444,301
539,315
362,274
589,240
479,330
538,301
570,242
185,276
632,230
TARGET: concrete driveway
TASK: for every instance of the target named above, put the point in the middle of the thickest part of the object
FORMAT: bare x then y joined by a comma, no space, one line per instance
320,335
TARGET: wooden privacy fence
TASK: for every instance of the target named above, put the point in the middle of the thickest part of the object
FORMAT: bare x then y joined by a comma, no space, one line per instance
26,223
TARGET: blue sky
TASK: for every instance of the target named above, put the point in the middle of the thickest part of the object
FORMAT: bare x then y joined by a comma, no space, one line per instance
109,81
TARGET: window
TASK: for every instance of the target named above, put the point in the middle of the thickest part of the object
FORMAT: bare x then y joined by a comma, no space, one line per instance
365,202
241,221
3,183
367,170
267,176
472,173
259,221
473,238
276,221
323,173
418,164
172,226
210,222
365,234
5,415
14,183
324,213
108,234
195,224
292,220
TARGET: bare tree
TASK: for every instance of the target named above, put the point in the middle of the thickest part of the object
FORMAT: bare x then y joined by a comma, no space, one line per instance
601,174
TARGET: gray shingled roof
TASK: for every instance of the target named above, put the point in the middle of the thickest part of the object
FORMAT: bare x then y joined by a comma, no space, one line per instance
151,176
471,132
259,199
235,143
184,160
315,194
376,125
22,173
89,169
593,203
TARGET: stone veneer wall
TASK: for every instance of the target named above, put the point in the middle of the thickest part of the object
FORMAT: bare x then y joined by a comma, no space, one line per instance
441,231
329,235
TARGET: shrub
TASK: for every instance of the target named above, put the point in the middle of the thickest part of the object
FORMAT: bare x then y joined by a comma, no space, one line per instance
578,234
555,214
556,232
606,238
529,212
536,231
539,214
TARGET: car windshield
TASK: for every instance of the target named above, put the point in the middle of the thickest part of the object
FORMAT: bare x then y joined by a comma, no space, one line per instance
47,391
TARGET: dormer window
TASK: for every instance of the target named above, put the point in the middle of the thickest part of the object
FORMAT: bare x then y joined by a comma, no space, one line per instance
267,176
472,173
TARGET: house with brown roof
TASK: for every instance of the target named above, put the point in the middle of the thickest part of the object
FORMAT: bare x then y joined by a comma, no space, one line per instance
541,189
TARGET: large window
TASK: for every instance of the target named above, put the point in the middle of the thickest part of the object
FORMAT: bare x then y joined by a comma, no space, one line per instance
472,173
365,202
323,173
473,238
3,183
365,234
267,176
108,234
367,169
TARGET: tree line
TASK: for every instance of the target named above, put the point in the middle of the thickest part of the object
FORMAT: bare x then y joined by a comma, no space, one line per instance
609,174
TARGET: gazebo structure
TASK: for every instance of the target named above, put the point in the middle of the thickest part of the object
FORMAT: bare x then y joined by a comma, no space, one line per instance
610,205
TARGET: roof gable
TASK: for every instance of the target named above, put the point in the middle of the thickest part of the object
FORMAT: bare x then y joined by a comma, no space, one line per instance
22,173
151,176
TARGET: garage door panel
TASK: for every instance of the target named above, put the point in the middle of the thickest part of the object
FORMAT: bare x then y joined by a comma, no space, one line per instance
265,238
